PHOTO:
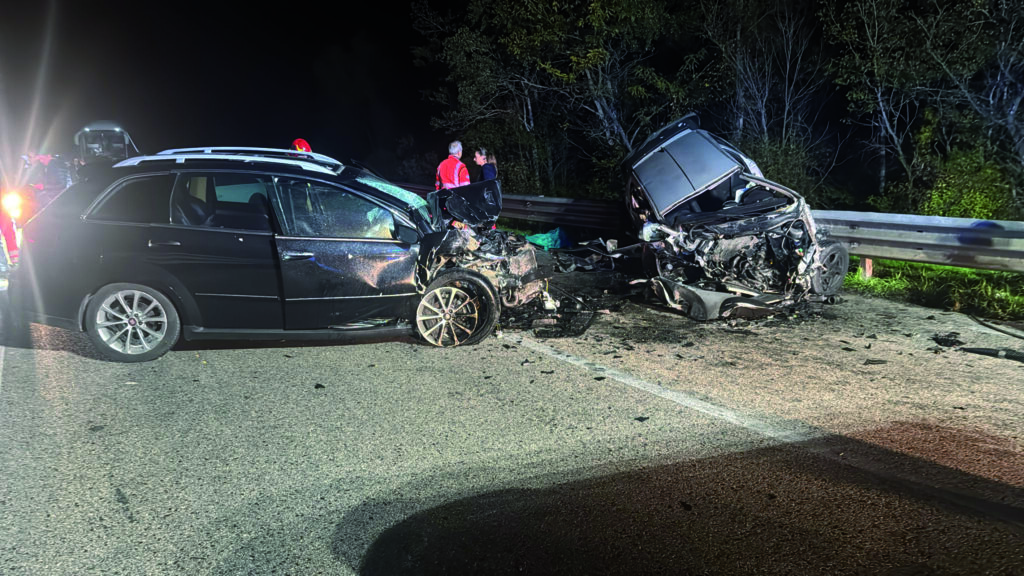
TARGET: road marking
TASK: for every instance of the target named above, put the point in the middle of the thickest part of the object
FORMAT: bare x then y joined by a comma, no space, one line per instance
3,352
921,485
756,425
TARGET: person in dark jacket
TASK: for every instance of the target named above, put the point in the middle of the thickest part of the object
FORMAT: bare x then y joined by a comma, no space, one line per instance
488,167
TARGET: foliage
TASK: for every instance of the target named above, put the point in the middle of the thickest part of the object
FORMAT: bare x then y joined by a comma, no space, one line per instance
796,166
985,293
983,67
970,186
561,91
414,167
882,73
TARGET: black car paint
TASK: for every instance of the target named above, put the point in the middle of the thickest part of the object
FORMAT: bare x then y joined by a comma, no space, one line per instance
222,282
334,282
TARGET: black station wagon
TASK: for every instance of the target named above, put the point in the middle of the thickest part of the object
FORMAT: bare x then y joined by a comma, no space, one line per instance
250,243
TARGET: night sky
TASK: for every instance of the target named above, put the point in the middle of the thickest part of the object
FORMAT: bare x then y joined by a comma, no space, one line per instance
190,74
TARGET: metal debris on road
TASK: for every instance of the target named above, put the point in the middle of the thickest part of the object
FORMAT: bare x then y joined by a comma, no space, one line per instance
948,340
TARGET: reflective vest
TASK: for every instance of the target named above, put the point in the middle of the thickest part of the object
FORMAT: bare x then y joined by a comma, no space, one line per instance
451,173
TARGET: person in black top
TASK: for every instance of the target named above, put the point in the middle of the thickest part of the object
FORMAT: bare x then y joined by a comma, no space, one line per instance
488,167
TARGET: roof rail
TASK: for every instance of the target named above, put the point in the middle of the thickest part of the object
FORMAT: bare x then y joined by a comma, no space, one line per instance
261,152
303,163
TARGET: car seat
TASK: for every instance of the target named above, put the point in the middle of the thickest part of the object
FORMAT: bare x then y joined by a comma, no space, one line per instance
191,211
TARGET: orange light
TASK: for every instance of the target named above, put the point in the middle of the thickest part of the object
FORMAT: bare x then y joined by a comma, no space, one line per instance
12,204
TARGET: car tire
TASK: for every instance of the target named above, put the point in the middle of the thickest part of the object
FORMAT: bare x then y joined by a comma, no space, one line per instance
836,261
131,323
458,308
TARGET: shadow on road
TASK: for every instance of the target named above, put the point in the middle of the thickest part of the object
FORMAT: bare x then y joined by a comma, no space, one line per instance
257,344
39,337
831,506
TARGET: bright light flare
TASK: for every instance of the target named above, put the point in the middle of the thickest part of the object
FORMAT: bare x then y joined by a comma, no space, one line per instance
12,172
12,204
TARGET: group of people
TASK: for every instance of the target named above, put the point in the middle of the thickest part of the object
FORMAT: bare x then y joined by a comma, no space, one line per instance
452,173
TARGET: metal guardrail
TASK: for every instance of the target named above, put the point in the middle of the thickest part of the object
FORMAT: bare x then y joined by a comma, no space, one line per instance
963,242
984,244
564,211
558,211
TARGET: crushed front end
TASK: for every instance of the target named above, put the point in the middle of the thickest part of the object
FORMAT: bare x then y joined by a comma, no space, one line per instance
722,267
506,260
467,238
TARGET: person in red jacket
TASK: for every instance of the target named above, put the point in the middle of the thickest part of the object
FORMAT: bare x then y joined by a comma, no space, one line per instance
452,173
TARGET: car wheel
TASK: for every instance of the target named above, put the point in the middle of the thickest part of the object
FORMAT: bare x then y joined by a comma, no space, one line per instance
131,323
458,308
836,261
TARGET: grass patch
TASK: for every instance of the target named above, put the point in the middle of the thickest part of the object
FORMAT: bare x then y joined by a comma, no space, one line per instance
985,293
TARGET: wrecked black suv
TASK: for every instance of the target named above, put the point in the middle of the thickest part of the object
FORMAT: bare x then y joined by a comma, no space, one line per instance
248,243
719,239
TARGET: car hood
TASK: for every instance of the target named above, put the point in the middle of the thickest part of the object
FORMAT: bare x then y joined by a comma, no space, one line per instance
681,167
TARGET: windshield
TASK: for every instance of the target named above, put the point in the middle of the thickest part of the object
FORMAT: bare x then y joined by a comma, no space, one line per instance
104,143
404,197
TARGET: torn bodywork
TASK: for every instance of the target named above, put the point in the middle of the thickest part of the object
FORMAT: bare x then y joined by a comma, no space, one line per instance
720,240
737,262
469,240
506,260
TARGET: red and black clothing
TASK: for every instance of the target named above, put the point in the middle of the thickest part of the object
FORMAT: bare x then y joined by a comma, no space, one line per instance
451,173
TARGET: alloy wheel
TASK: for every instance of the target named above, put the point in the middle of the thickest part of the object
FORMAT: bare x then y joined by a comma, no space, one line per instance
447,316
832,270
131,322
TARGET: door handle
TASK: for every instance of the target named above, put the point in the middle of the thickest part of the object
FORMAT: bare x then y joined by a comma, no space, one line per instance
166,243
290,255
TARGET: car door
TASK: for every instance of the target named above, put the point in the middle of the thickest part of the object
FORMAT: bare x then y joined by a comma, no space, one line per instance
77,255
341,265
220,244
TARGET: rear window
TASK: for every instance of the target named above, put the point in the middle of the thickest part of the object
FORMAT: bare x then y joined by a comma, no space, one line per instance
141,200
71,203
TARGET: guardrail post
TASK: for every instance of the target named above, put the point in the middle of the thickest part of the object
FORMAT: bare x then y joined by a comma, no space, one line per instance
865,268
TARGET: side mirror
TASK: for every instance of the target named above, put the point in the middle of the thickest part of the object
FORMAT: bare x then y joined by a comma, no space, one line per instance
406,234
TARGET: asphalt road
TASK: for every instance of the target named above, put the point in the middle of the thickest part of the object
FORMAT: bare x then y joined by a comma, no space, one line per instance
843,443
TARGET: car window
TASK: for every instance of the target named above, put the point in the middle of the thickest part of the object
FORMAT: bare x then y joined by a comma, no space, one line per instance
313,209
143,200
222,200
404,196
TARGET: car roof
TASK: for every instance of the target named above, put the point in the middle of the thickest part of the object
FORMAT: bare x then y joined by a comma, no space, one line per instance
308,161
269,160
683,167
660,136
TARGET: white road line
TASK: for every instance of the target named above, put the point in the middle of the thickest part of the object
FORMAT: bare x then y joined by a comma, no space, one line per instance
921,485
3,352
690,401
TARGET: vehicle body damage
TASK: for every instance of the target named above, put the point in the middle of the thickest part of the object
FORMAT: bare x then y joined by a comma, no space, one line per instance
471,242
246,243
719,241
